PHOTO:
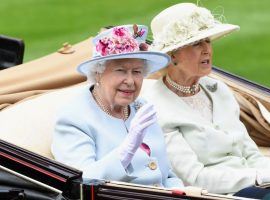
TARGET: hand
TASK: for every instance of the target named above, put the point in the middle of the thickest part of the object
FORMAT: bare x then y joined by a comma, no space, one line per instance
145,117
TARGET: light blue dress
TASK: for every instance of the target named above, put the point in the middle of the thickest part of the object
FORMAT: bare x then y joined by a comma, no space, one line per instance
88,139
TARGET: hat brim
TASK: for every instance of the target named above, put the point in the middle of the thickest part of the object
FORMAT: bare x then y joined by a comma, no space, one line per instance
218,31
155,60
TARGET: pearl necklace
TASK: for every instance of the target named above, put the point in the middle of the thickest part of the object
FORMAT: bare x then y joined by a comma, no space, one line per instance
105,109
184,89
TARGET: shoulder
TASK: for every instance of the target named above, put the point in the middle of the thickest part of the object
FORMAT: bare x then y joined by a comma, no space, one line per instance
148,83
78,115
153,90
160,96
206,80
77,103
219,91
215,86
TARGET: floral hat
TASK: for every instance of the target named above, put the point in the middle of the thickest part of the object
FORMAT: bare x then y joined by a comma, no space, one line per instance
127,41
185,24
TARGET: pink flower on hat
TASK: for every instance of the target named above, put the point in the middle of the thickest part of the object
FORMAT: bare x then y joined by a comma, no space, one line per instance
121,41
120,32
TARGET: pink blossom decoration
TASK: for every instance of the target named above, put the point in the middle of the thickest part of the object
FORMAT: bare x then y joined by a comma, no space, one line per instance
121,32
120,41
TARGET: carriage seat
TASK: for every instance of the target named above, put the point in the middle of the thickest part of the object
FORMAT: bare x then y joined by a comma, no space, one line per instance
30,123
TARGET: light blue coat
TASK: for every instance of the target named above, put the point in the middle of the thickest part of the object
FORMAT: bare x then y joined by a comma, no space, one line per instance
219,156
87,138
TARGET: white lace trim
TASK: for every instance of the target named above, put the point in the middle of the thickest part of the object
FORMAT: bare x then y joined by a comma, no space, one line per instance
201,104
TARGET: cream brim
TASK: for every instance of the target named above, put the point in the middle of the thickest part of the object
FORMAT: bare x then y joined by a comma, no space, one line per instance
155,60
218,31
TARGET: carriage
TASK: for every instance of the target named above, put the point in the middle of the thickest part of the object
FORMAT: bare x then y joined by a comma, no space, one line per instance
30,94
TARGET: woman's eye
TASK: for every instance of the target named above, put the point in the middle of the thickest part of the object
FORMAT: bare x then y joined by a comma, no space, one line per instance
208,41
137,72
197,44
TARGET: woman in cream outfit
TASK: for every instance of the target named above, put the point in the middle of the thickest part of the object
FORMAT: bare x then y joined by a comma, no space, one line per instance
207,144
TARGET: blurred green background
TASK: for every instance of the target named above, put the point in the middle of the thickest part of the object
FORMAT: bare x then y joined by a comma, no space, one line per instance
45,25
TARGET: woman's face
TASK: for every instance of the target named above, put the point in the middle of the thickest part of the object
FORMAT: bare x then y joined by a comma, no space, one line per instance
121,81
194,60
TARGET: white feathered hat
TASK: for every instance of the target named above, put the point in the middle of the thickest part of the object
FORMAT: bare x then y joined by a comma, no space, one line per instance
184,24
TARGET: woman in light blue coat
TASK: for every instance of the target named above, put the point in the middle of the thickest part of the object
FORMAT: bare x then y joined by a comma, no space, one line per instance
207,144
103,129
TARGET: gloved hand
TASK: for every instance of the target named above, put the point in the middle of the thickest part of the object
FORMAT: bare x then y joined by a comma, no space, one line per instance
145,116
263,176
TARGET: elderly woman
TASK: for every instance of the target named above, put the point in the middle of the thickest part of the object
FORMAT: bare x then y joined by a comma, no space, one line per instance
207,144
104,130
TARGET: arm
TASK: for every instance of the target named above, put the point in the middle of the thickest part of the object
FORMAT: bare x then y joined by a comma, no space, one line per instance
253,155
74,144
217,180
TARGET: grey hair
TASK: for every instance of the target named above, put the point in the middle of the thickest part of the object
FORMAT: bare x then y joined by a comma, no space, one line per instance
99,67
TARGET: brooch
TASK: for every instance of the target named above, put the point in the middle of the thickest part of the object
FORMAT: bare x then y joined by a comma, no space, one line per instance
212,88
137,105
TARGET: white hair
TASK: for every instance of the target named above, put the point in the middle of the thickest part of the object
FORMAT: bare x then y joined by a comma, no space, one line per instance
99,67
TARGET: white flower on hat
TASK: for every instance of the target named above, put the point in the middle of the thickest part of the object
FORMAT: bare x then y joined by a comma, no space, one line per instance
185,28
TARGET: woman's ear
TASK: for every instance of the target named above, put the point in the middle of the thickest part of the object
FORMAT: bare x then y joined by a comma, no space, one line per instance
174,59
97,78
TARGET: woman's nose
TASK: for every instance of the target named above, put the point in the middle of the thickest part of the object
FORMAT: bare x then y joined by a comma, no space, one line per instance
206,47
129,78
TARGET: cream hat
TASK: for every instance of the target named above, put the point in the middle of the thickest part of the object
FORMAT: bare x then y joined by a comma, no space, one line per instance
184,24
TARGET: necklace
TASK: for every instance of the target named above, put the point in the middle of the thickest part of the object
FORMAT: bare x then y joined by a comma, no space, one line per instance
184,89
105,109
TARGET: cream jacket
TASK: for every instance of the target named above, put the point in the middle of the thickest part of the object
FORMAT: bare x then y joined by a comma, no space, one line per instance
218,156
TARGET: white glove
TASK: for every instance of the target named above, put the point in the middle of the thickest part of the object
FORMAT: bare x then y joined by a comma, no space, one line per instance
263,176
145,116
